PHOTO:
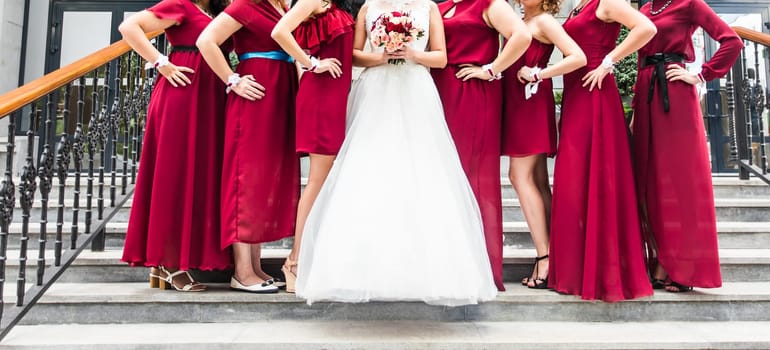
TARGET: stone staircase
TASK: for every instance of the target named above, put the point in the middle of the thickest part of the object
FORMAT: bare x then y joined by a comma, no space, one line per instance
100,303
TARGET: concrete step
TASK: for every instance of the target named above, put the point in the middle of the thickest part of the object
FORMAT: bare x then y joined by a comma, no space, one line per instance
732,234
738,265
395,335
727,209
94,303
724,187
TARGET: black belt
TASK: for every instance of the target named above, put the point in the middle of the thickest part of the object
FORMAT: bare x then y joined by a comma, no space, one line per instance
182,48
659,60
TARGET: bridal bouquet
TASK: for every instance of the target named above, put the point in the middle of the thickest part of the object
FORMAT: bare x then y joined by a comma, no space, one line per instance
394,30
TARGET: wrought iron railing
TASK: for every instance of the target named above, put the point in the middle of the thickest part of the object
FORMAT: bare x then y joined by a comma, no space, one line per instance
83,122
747,102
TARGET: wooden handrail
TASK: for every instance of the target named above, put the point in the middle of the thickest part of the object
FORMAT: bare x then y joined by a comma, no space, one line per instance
38,88
753,35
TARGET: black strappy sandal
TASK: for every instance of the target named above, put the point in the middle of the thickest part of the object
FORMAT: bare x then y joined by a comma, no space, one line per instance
681,288
658,283
539,283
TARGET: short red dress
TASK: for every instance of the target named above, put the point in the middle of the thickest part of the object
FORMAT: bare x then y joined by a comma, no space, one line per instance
322,100
597,251
473,112
174,220
673,170
529,125
260,175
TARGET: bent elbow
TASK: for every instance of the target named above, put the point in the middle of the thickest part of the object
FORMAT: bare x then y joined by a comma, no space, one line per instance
581,58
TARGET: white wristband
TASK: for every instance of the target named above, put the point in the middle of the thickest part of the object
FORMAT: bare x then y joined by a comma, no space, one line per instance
161,61
232,81
533,73
314,62
607,63
494,76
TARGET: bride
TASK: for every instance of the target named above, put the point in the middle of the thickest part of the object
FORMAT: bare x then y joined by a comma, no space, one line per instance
396,218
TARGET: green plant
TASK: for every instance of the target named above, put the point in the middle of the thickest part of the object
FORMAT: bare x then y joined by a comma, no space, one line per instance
625,70
233,58
557,96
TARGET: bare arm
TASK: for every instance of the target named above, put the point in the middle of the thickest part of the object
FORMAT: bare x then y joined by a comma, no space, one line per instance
642,30
574,57
282,35
501,16
221,28
133,30
435,57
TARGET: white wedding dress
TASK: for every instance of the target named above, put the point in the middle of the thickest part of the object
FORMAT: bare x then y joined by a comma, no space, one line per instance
396,218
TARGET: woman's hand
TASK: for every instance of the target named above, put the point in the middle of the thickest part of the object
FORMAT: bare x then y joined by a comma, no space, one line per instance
676,72
595,77
249,89
176,74
525,75
331,65
470,71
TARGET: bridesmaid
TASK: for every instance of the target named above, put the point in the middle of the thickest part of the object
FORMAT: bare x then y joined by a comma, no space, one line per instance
260,176
529,121
174,222
670,144
596,242
473,99
323,45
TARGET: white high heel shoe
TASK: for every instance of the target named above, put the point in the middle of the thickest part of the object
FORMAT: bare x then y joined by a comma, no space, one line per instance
261,288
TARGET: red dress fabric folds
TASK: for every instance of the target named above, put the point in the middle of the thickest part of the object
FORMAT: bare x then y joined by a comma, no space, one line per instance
597,250
322,99
672,164
174,218
260,175
529,125
474,115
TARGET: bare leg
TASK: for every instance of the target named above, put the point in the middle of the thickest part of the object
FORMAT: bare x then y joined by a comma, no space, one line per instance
544,185
320,165
256,262
524,179
244,272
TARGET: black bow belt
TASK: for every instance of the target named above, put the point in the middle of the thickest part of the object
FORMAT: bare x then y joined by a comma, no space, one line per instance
660,60
182,48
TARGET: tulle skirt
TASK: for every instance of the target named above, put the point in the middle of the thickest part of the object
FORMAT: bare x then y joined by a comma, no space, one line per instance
396,218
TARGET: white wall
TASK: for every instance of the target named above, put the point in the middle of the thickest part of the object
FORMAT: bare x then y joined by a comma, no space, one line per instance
12,16
36,36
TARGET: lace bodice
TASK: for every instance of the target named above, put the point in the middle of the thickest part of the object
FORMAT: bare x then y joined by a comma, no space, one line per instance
419,10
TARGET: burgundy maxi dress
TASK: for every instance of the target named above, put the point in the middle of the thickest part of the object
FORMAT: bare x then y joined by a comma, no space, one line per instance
474,115
321,99
260,176
174,219
597,251
672,164
529,125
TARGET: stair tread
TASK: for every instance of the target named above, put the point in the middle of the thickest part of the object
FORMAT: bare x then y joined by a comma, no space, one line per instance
508,226
139,292
510,255
403,334
718,202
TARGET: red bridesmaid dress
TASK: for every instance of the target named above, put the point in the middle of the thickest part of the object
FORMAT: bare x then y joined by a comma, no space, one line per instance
260,176
597,250
529,125
322,100
673,170
473,112
174,220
